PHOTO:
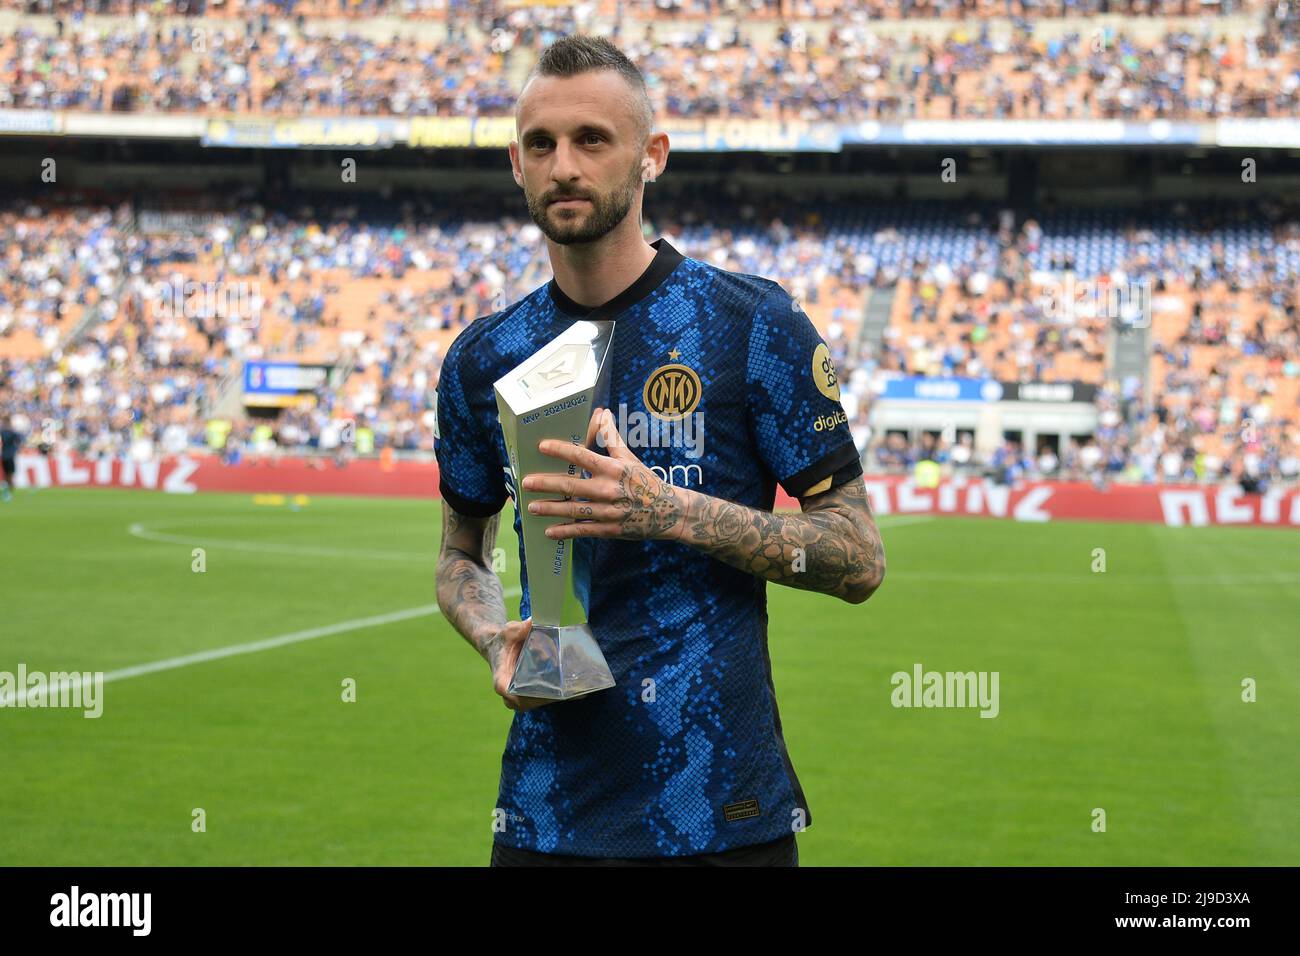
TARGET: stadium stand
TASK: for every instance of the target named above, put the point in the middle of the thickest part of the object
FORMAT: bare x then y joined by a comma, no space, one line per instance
847,72
383,293
487,10
104,347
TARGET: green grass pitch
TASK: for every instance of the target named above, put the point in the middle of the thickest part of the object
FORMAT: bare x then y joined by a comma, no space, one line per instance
1119,690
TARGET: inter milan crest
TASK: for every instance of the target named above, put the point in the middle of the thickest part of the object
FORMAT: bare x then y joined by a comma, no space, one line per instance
672,391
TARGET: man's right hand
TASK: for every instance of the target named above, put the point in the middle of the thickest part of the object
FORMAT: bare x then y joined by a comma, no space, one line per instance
506,646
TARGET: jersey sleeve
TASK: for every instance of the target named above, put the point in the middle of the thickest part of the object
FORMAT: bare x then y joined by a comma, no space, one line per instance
470,477
795,413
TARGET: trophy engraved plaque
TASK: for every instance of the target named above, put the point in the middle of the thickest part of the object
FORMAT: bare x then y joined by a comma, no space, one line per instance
551,395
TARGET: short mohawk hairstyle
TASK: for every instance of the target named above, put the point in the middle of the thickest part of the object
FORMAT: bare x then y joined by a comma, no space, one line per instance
581,53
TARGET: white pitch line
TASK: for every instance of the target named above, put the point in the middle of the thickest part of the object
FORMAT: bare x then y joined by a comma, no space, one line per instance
150,532
253,647
145,533
139,530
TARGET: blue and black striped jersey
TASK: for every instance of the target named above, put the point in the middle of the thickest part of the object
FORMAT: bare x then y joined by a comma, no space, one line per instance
720,383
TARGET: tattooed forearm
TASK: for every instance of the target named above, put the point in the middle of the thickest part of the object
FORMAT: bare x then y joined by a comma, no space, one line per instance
469,592
832,547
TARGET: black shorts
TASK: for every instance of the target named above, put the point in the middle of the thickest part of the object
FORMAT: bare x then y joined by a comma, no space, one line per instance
780,852
7,464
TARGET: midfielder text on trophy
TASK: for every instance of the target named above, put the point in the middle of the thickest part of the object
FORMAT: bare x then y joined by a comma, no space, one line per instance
551,395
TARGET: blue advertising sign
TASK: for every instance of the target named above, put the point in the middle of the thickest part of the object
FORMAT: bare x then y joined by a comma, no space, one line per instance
943,389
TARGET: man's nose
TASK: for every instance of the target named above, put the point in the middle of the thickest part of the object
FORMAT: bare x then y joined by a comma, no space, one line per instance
565,167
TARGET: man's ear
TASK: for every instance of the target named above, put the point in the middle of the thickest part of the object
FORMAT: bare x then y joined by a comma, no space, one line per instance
514,163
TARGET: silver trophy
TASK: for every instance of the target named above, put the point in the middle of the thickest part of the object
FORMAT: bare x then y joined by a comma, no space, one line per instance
551,395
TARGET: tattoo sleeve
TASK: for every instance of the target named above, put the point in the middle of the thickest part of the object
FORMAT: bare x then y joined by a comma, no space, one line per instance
833,547
469,592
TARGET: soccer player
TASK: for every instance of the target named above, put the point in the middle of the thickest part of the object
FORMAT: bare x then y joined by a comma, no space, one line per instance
10,442
683,762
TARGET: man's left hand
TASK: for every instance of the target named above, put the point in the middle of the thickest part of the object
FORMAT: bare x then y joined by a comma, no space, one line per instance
622,498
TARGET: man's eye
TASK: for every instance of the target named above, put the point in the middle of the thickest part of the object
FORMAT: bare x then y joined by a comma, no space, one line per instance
587,138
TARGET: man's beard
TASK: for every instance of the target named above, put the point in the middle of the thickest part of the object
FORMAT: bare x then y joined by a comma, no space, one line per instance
605,212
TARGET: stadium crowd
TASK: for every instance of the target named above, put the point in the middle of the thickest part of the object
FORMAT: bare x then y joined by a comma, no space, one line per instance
854,74
490,11
1167,443
104,348
113,366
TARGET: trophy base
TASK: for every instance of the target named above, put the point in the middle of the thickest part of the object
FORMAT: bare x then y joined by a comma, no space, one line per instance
560,663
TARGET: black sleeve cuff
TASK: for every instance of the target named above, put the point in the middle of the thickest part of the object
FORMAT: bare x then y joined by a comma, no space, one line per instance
841,465
465,506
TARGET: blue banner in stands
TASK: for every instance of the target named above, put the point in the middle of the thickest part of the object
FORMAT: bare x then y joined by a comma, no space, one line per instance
283,378
943,389
30,121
